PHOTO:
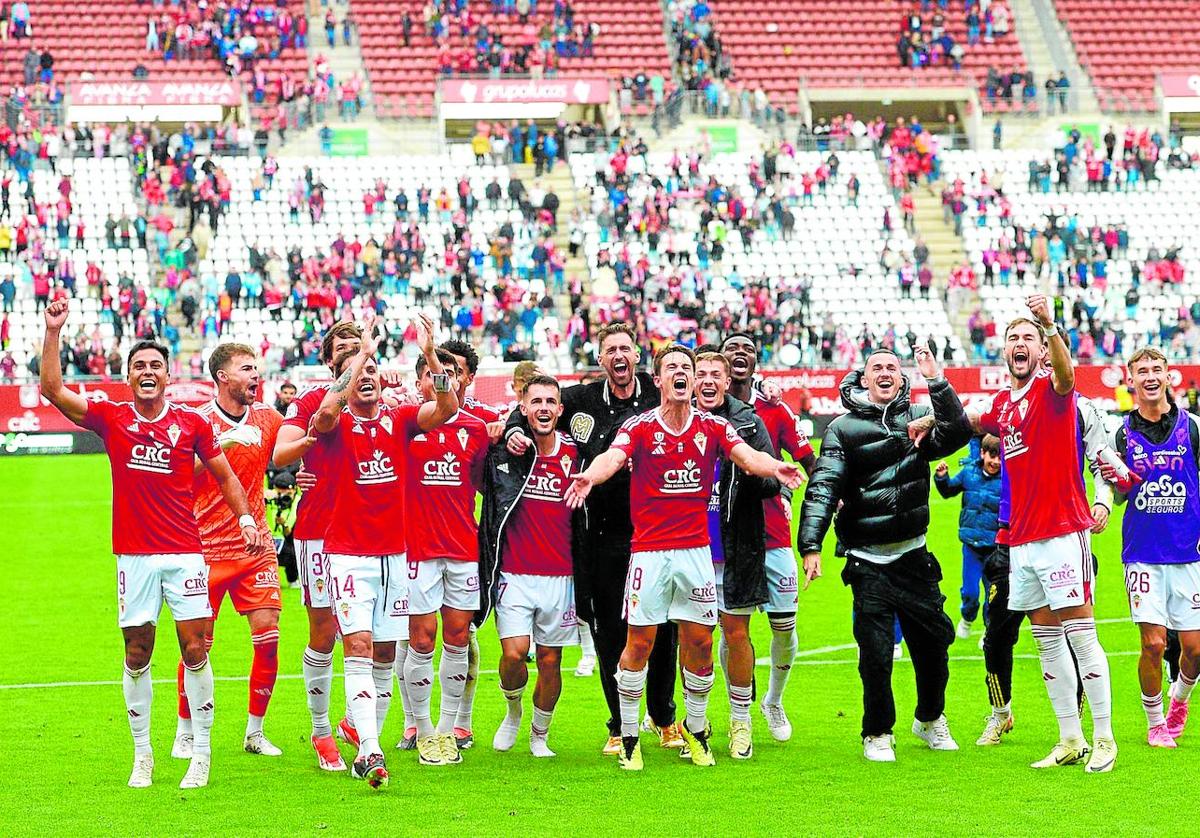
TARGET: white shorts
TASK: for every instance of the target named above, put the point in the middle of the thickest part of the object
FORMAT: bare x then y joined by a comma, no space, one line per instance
145,581
369,593
719,576
1055,571
1165,594
437,583
671,585
542,606
314,571
782,581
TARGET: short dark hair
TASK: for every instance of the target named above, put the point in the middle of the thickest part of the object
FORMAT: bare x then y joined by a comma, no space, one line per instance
667,350
540,380
287,385
147,344
746,335
463,350
990,444
341,329
224,353
443,355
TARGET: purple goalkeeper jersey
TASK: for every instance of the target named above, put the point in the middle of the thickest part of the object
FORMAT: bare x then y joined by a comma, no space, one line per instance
1162,518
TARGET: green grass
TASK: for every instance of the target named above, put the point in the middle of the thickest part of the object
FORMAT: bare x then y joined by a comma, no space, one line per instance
66,750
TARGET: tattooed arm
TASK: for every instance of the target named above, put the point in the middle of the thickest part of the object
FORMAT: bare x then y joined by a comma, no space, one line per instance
326,417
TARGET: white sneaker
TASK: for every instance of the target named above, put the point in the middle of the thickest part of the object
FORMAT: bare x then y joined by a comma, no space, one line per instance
935,734
777,721
539,748
586,667
964,629
741,741
1104,756
995,728
880,748
1064,753
197,773
897,652
506,736
257,743
143,770
182,749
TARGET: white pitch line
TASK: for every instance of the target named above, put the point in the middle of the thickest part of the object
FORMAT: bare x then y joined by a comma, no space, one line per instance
763,662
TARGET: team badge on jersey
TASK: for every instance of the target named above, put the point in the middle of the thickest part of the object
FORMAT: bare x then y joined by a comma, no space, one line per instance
386,423
701,441
463,438
582,426
173,433
566,464
1023,408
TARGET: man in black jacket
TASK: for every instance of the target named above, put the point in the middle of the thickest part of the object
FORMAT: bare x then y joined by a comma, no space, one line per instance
737,528
592,414
880,477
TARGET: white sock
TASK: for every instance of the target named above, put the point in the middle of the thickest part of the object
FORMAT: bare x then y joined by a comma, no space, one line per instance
253,724
586,645
1002,712
360,702
139,696
318,680
198,684
382,675
1093,669
1152,704
513,699
739,701
1181,690
182,726
418,675
1062,684
723,656
541,722
452,676
466,707
783,653
401,684
695,699
630,687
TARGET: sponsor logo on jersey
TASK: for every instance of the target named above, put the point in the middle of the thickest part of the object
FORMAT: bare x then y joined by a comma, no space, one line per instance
1196,602
1161,496
472,585
582,425
446,471
196,585
378,469
399,607
677,481
152,458
568,617
548,487
1063,577
704,594
266,579
173,433
1013,444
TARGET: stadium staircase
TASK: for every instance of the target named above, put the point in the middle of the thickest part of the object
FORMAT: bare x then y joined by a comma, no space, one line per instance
569,198
946,251
1049,50
344,61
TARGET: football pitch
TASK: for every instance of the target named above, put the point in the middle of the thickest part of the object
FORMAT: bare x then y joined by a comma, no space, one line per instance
67,750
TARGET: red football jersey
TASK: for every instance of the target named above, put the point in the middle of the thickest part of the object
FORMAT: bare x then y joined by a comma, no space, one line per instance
537,539
1039,440
445,471
220,535
483,412
152,465
672,477
316,504
784,429
365,463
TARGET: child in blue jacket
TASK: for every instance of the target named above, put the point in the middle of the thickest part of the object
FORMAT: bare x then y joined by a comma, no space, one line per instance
979,484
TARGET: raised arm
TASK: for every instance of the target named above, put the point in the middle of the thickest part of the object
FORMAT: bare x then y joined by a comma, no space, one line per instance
1060,356
601,469
292,444
70,404
326,417
951,429
762,464
445,405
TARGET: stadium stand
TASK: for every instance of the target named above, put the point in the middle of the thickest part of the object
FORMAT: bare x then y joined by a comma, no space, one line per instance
1124,45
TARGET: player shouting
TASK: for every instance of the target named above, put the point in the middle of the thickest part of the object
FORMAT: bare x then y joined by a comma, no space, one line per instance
365,542
673,451
151,445
528,540
783,429
1161,445
339,345
443,560
245,429
1050,570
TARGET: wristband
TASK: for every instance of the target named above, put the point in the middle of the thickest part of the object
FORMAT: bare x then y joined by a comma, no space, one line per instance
247,521
1050,331
441,382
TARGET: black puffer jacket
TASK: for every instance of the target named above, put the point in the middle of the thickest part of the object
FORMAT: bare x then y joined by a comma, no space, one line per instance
743,530
505,476
869,465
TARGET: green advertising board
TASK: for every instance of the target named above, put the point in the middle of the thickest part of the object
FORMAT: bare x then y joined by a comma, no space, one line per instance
349,142
723,138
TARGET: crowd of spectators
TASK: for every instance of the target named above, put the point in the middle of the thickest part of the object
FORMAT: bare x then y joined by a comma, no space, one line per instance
237,33
925,40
